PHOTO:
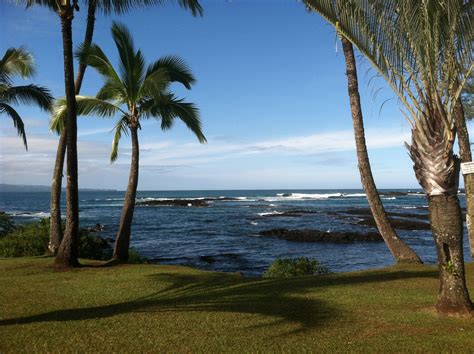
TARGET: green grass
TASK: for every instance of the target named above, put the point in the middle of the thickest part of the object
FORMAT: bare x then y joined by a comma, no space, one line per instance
149,308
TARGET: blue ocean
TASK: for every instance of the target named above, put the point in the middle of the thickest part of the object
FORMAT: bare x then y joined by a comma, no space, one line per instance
225,235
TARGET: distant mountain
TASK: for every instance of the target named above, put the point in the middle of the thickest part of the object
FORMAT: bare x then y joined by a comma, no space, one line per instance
26,188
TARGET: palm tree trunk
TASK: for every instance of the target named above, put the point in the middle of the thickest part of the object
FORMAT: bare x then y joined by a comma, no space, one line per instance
55,221
437,170
466,156
447,228
55,229
68,250
399,249
122,241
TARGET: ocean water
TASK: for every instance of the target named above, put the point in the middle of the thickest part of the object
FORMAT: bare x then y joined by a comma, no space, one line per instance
224,236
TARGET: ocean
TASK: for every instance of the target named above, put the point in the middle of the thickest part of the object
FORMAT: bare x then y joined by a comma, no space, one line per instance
224,234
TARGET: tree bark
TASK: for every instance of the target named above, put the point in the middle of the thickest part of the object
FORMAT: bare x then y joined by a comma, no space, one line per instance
122,241
55,236
68,250
447,228
466,156
55,229
399,249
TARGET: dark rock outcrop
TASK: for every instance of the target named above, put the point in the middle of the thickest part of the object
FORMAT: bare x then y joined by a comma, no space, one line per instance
307,235
400,224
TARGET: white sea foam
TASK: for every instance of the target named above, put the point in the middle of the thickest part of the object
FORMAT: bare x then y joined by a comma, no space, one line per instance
389,198
275,212
32,215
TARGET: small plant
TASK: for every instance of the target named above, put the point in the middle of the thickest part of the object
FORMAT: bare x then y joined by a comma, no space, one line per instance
287,267
451,268
135,258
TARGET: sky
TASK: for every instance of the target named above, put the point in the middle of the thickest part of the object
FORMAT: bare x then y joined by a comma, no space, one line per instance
272,94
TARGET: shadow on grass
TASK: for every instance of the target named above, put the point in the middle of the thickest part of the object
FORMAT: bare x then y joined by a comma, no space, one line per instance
285,300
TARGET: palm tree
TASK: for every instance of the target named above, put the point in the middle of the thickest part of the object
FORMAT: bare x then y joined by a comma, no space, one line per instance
399,249
106,7
136,94
424,52
65,9
19,62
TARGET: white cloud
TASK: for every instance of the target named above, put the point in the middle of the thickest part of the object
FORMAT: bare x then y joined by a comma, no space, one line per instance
180,160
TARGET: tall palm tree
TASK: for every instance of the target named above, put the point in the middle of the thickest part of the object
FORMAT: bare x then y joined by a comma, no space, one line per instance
106,7
65,9
136,94
399,249
423,49
19,62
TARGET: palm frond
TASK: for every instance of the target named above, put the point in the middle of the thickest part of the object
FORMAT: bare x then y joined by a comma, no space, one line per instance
171,107
120,128
34,94
94,56
17,121
132,64
177,69
16,61
123,6
85,106
154,84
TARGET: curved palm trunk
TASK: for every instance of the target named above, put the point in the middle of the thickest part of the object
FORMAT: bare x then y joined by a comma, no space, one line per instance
399,249
466,156
437,170
122,241
67,253
55,235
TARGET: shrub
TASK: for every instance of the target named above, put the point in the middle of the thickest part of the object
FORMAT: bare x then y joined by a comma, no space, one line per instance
6,225
26,240
287,267
32,240
135,258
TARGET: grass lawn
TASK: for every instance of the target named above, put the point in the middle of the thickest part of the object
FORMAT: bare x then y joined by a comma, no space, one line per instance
151,308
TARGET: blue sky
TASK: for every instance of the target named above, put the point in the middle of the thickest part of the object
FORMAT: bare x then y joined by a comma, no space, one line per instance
271,89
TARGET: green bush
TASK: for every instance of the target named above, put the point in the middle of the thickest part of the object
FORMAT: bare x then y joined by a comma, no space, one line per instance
135,258
32,240
6,225
287,267
26,240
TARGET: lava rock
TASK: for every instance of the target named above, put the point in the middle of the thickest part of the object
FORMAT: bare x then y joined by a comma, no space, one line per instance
307,235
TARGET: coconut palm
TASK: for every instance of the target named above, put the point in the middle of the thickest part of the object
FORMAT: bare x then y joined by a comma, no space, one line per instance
424,52
105,7
399,249
19,62
136,94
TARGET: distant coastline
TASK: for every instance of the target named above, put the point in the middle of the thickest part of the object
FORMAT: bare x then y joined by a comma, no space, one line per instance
27,188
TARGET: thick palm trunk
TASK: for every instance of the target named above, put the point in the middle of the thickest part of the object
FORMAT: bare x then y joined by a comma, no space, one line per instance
55,221
437,170
466,156
68,250
447,228
399,249
122,241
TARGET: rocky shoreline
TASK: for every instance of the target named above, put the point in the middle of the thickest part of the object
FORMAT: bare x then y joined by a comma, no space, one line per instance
308,235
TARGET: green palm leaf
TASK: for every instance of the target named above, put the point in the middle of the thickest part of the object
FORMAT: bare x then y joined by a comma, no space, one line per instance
17,121
85,106
16,61
170,107
120,128
177,70
29,94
